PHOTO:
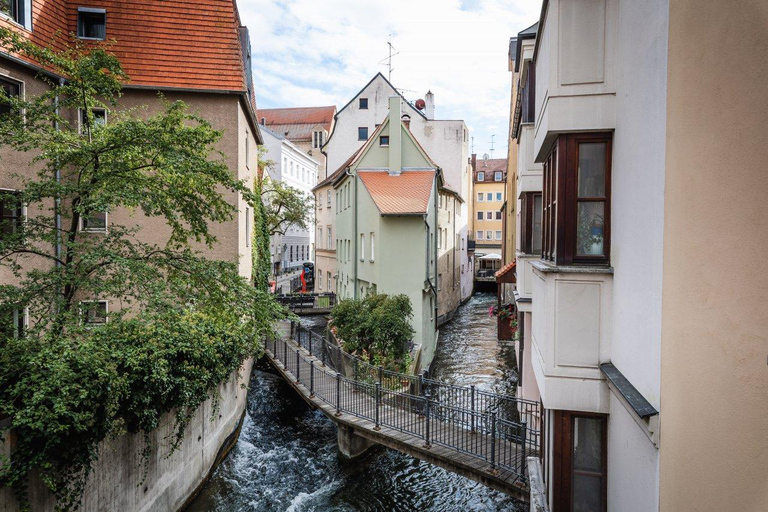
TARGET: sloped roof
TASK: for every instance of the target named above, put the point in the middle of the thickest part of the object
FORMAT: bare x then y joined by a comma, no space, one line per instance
497,164
406,193
174,44
296,123
506,273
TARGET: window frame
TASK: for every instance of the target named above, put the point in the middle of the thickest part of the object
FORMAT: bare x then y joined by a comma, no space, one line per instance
528,203
20,209
362,103
489,196
480,197
480,215
84,229
20,14
360,133
90,11
481,176
498,176
560,200
373,247
12,82
384,141
84,313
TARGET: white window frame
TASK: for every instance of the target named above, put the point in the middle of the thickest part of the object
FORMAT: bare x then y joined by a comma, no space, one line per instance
498,176
480,215
479,234
489,196
362,246
488,215
83,229
83,312
373,246
247,226
488,235
80,112
90,10
498,235
481,176
480,197
499,196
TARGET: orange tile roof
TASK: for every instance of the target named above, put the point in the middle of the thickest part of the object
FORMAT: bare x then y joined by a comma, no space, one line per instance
190,44
298,122
405,194
503,271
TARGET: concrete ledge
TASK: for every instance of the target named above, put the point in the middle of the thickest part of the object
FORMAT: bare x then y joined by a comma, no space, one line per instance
538,491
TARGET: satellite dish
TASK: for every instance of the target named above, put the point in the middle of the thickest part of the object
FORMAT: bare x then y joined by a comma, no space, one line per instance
486,156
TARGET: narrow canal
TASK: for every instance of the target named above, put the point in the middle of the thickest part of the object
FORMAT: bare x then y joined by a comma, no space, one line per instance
286,457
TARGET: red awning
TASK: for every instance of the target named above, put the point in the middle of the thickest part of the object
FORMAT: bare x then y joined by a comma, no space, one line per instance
507,273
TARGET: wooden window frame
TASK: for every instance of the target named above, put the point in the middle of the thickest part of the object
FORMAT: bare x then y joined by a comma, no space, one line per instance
560,200
562,458
528,202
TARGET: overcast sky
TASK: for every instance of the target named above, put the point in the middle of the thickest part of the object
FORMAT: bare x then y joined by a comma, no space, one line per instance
312,53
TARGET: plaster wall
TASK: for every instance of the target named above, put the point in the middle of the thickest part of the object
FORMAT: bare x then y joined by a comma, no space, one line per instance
714,378
494,205
325,249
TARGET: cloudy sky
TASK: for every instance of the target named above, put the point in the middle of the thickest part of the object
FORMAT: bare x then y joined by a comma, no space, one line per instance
309,52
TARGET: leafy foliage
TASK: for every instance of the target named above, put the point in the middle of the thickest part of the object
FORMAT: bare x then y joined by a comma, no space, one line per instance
183,322
376,328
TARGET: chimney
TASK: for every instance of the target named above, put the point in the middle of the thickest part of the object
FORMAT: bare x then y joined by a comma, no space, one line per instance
429,100
263,121
395,133
407,121
474,162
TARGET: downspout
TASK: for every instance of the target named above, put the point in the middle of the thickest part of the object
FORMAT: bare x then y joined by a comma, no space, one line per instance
354,234
58,182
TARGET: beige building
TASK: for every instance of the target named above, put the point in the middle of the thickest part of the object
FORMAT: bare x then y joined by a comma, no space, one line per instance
489,191
650,369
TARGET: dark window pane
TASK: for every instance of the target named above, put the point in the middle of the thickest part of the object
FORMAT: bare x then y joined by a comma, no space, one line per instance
364,103
10,89
536,234
587,493
362,133
589,233
587,444
384,141
95,221
91,24
592,169
95,312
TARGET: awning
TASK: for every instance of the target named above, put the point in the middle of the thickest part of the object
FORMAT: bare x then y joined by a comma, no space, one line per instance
507,273
491,256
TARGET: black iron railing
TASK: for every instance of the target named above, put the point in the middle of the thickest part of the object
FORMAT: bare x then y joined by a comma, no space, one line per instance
433,411
304,302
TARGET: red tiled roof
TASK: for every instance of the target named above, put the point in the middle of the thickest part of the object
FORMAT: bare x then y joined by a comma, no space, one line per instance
299,115
505,270
404,194
192,44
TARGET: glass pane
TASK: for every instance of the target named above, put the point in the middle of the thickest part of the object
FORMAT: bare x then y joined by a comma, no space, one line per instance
95,220
587,444
536,235
592,169
589,232
587,493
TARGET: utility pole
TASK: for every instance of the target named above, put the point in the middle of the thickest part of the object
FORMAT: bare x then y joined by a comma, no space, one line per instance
492,137
388,60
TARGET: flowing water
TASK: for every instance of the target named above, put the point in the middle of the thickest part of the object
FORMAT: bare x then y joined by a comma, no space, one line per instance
286,457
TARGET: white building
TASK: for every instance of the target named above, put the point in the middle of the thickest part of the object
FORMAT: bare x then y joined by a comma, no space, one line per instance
296,169
446,141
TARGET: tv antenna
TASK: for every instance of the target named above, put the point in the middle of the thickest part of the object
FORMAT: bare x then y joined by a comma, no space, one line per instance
473,147
492,142
388,60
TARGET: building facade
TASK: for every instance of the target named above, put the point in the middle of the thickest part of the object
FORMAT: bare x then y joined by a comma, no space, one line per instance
620,169
490,177
294,168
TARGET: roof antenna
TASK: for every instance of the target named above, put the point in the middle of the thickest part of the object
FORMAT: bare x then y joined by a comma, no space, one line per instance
473,146
388,60
492,136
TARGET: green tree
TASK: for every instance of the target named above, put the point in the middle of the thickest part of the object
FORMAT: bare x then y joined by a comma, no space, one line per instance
285,206
185,323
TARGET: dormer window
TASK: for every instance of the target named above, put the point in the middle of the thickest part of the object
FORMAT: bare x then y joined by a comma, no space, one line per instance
317,139
91,23
363,103
481,176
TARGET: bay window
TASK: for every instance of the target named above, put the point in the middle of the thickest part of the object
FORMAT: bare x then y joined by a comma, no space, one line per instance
530,222
576,200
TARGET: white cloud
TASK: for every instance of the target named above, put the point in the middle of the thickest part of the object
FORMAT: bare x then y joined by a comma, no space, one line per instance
307,52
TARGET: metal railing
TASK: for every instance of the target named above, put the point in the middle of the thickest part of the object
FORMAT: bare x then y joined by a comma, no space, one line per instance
303,302
433,411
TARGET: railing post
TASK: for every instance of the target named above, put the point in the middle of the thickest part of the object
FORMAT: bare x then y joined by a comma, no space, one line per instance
338,359
322,354
523,438
298,367
472,406
381,373
311,379
426,426
338,394
378,403
310,342
356,364
493,440
285,354
421,384
292,327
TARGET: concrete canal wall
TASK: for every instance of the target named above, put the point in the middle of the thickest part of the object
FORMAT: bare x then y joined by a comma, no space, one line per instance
117,483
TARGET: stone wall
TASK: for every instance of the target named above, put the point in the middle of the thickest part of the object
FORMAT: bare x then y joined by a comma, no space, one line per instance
117,483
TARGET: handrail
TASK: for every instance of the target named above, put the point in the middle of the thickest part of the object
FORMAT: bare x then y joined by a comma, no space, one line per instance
397,396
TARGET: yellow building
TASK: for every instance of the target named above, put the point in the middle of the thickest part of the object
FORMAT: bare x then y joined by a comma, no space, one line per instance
489,180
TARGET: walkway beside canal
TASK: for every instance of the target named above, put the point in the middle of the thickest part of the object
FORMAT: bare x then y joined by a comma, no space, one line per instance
479,440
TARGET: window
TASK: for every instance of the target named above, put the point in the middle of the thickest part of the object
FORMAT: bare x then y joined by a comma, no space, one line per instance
362,246
580,440
498,196
497,176
530,222
11,213
362,133
488,215
479,215
440,239
320,200
320,238
13,322
320,281
498,215
363,103
328,229
479,235
384,140
480,197
329,281
481,176
439,281
291,168
328,203
576,200
373,246
489,196
318,139
91,23
489,235
529,96
18,11
285,165
11,89
247,227
498,235
94,311
93,221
